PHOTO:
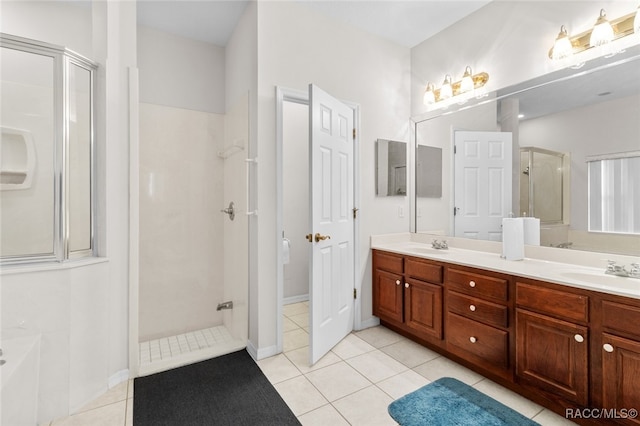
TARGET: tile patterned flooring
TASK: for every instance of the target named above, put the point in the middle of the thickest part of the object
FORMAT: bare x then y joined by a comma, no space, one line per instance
169,347
352,385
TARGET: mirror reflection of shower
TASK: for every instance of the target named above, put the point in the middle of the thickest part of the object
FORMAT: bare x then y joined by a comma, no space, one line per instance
542,184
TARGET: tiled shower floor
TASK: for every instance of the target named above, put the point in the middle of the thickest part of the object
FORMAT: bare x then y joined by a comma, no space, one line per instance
173,346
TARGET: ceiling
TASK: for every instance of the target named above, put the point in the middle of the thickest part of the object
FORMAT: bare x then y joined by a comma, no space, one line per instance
406,23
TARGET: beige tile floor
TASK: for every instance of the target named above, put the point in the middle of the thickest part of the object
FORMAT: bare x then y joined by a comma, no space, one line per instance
352,385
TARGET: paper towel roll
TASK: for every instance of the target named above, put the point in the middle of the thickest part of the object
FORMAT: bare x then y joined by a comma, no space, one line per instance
513,238
531,231
286,251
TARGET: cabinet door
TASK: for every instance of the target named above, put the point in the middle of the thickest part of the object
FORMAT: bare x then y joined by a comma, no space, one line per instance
387,295
552,355
620,374
423,307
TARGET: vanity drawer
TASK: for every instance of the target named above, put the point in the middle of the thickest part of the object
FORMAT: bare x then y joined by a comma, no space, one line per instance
478,285
424,270
621,317
481,340
478,309
388,262
557,303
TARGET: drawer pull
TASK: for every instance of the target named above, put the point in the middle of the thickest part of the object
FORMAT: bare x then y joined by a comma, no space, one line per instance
473,339
607,347
472,283
579,338
406,285
397,282
472,308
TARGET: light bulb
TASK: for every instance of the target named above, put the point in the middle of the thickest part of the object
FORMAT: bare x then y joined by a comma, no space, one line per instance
466,84
429,97
562,47
446,91
602,32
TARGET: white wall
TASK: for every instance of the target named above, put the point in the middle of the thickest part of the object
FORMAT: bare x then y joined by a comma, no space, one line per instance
297,46
65,23
181,227
295,198
179,72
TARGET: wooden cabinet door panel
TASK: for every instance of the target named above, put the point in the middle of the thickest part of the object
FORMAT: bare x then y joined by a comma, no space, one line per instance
553,355
621,374
387,296
478,285
423,270
423,307
478,309
481,340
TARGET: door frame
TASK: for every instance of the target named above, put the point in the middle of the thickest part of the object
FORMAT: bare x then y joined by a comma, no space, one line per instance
284,94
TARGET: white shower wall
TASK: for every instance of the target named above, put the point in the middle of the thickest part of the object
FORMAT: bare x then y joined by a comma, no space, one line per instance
181,227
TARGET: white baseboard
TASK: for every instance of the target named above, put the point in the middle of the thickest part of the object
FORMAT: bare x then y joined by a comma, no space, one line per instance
118,377
370,322
258,354
295,299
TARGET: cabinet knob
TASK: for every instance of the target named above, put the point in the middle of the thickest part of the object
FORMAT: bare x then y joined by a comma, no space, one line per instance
397,282
607,347
472,283
406,285
473,339
579,338
472,308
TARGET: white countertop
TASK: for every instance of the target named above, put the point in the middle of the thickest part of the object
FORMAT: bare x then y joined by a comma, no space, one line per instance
571,273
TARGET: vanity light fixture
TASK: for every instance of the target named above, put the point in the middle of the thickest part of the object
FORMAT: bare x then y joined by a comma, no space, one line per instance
602,36
459,91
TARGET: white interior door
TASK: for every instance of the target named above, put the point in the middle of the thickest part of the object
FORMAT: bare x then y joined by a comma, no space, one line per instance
332,223
482,183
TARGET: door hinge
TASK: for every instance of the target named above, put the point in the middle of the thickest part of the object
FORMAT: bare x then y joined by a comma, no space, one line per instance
455,210
354,134
355,212
355,293
455,149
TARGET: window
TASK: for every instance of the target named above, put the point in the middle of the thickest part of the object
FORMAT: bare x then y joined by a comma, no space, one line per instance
614,194
46,152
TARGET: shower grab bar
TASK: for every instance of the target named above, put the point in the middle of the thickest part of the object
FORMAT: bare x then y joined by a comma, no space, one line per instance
248,162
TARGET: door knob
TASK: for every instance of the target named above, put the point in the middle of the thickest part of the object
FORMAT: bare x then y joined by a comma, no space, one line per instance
321,237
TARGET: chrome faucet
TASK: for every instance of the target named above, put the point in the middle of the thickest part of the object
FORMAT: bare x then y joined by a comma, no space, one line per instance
439,245
621,271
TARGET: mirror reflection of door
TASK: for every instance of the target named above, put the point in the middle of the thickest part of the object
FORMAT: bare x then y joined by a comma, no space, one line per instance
482,183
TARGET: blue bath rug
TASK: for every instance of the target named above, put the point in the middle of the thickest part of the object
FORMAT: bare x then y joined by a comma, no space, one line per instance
448,402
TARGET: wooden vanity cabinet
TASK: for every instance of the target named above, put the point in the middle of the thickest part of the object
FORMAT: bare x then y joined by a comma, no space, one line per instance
552,341
563,347
407,293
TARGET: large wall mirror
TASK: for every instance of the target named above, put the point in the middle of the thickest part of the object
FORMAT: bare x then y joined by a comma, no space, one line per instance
557,123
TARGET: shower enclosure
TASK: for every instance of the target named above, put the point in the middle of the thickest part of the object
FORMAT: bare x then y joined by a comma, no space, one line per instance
193,280
542,184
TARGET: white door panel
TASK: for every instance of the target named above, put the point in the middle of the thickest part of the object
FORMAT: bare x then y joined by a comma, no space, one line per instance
332,265
482,183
